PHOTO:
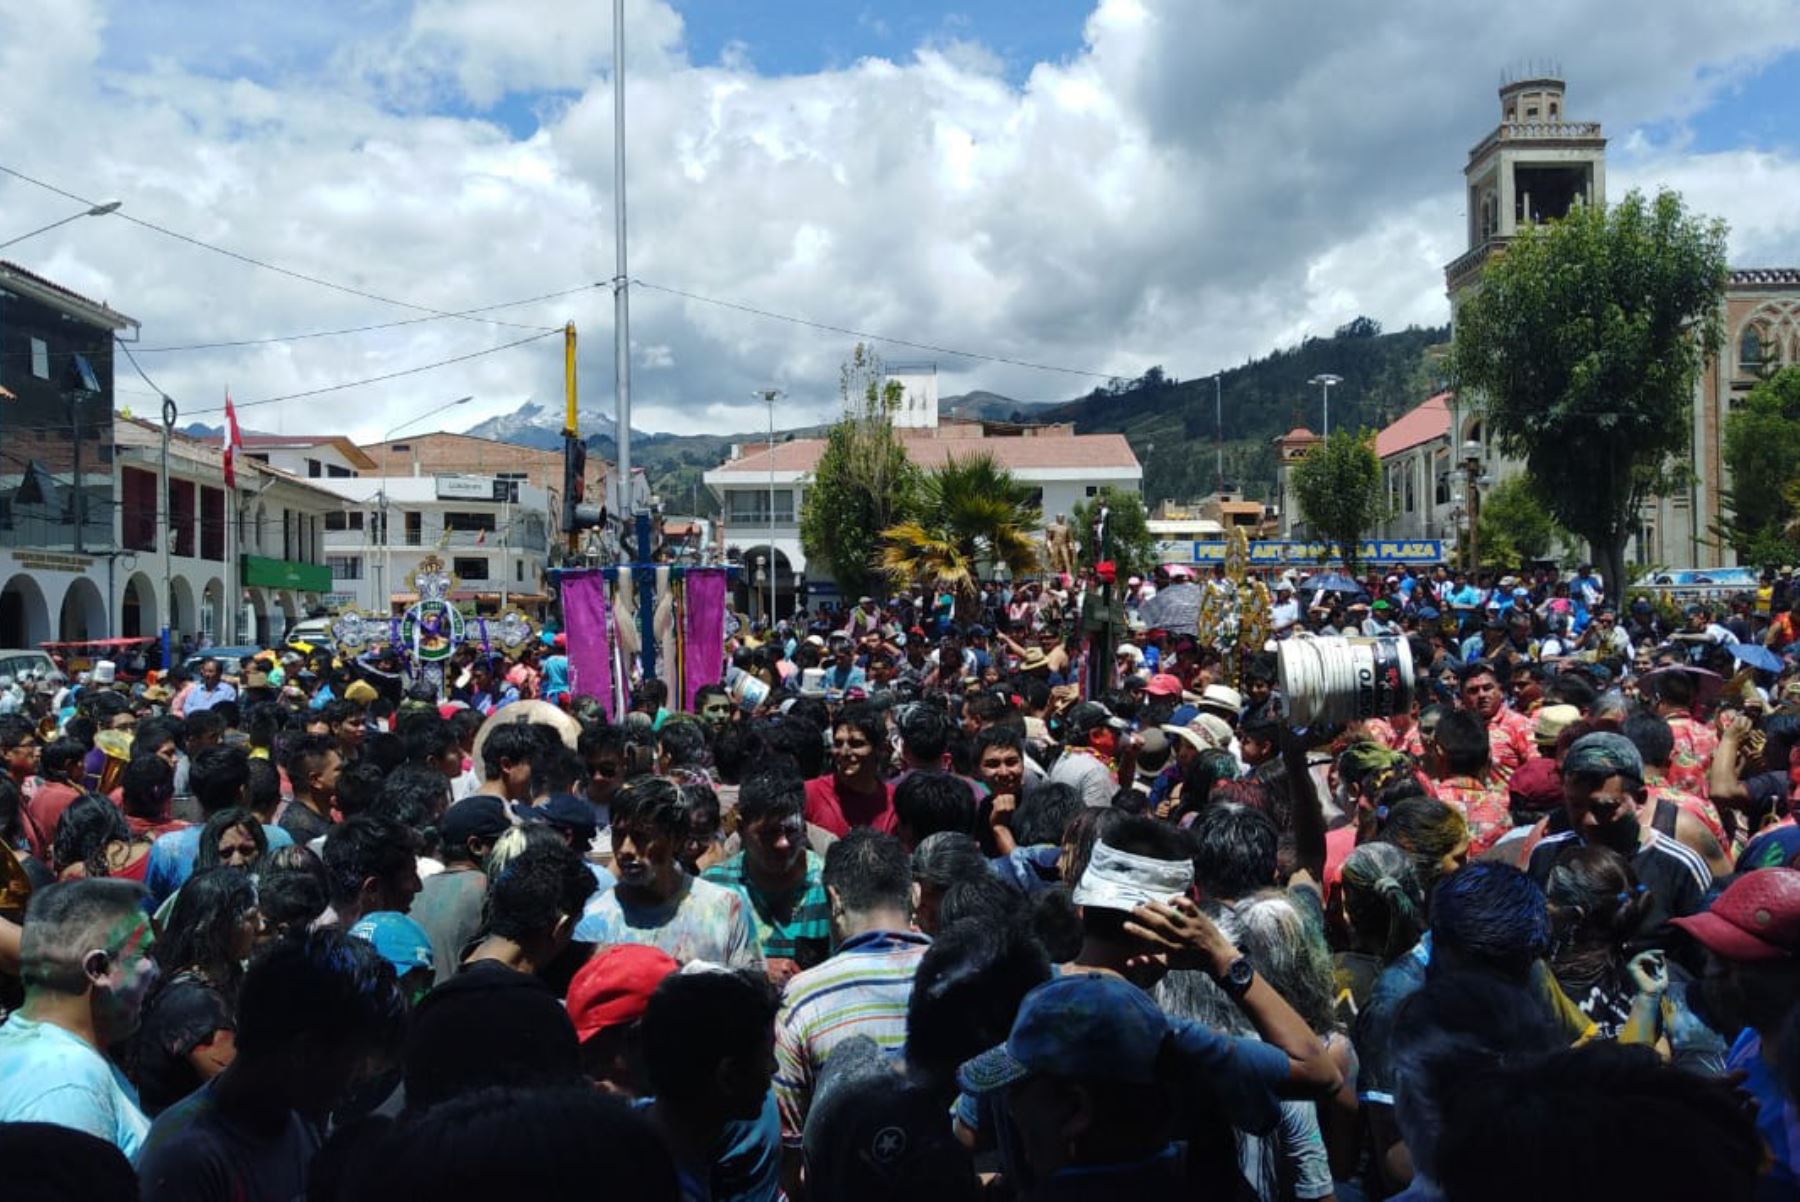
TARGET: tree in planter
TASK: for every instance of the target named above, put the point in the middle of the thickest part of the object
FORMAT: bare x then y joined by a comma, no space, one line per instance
967,512
1128,529
1762,451
1515,525
1338,488
863,484
1583,342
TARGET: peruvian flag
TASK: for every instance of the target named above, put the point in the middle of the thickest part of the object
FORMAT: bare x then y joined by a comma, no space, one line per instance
233,440
480,537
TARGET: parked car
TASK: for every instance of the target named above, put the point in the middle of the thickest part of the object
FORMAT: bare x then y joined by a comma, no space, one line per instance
231,660
15,663
315,632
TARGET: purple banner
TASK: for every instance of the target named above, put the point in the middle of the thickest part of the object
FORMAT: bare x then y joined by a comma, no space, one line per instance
585,617
702,630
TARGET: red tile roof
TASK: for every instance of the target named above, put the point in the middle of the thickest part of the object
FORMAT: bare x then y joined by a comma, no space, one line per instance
1298,434
1430,420
1023,453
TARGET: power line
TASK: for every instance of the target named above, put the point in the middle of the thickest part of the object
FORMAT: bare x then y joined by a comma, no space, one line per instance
919,346
383,325
254,262
392,375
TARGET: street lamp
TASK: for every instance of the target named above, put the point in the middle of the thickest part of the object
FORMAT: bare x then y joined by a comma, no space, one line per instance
769,396
1219,430
387,542
99,210
1324,380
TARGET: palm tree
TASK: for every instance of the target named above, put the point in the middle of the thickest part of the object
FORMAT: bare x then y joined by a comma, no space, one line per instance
968,512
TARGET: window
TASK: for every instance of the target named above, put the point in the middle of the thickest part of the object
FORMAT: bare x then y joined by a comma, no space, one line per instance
40,359
314,468
415,527
519,571
470,567
344,520
1408,487
181,514
512,476
137,515
1093,490
345,567
462,520
752,506
401,446
1441,495
1531,113
212,523
1750,350
338,472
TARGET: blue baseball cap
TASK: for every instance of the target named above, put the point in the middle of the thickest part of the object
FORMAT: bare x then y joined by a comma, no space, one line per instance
398,939
1088,1026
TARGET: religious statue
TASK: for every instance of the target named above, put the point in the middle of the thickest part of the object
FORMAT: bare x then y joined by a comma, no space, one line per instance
1059,542
1235,610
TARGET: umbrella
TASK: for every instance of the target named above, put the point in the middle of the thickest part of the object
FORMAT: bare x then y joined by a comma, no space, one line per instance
1331,582
1757,657
1707,685
1176,607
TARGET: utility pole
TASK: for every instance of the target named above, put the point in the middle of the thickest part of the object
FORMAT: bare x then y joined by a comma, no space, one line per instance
769,396
1219,431
169,415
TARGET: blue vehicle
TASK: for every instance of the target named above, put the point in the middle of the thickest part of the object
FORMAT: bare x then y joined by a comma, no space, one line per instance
231,660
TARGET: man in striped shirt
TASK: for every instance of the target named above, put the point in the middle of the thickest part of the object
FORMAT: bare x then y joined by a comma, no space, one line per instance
777,875
865,987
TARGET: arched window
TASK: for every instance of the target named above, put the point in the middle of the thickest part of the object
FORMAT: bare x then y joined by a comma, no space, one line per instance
1750,350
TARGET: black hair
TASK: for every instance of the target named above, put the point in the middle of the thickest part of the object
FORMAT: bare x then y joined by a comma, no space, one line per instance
707,692
648,696
206,855
427,737
683,743
867,719
218,777
653,801
1235,851
86,829
291,888
359,784
1045,812
465,723
998,736
696,1021
1492,915
416,797
147,786
365,846
305,755
15,729
12,807
1090,825
1474,668
965,996
467,1149
1212,766
206,723
1566,688
776,789
799,738
538,887
1263,730
868,869
980,899
383,749
261,723
61,759
202,927
48,1162
327,987
1425,828
1463,740
262,791
1638,1115
555,769
339,711
508,742
735,746
929,802
152,733
1651,734
925,734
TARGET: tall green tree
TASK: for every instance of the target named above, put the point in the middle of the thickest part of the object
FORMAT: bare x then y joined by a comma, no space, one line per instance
1338,488
1515,524
1583,342
1762,452
1127,529
967,513
863,483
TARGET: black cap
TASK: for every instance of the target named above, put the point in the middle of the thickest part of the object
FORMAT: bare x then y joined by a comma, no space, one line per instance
478,817
567,812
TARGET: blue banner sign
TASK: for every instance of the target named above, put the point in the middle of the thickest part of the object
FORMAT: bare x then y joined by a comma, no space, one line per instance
1283,552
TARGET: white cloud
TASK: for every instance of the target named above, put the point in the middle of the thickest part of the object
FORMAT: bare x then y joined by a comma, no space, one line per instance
1202,181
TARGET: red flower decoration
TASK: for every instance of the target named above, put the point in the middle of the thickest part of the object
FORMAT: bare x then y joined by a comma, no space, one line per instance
1107,571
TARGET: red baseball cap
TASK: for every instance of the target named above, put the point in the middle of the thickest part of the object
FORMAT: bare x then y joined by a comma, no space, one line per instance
614,987
1756,918
1164,685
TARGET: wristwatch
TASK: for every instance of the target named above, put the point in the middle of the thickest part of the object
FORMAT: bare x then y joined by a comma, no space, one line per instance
1235,980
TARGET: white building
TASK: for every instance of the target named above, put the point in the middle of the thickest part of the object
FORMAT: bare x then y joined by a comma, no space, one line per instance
491,532
761,490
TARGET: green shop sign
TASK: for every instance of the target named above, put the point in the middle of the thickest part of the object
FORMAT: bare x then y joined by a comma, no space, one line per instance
285,573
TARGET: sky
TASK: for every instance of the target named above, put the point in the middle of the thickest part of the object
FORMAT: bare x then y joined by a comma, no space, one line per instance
1083,190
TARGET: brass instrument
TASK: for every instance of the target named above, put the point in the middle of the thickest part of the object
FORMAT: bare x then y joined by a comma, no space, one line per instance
15,886
117,746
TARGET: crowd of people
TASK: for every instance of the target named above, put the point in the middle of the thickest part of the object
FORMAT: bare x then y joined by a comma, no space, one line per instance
928,914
